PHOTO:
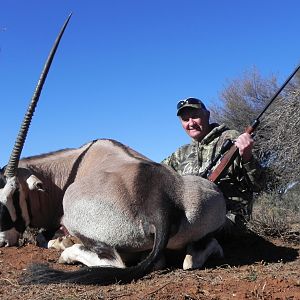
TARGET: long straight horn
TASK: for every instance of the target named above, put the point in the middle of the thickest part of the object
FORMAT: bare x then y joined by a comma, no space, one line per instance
12,165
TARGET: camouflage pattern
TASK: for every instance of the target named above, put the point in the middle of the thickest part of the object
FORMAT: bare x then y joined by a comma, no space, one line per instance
241,180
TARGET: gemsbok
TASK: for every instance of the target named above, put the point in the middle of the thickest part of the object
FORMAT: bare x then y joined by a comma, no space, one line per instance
118,203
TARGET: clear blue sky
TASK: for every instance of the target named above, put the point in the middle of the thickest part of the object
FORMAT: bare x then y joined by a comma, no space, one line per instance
122,65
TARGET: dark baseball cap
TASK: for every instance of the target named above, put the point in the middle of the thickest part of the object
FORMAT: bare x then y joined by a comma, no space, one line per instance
190,102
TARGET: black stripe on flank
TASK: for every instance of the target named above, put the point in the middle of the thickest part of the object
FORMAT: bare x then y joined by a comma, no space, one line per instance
76,166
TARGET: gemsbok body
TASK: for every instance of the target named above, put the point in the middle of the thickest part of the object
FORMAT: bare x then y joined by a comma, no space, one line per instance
118,203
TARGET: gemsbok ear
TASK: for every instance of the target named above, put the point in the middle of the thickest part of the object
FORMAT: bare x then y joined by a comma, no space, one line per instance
35,184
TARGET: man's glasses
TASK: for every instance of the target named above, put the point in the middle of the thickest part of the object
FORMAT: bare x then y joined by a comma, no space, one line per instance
190,101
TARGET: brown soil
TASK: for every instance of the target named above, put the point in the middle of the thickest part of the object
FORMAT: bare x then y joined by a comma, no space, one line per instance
253,268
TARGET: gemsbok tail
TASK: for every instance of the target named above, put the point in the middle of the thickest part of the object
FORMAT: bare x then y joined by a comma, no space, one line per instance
43,274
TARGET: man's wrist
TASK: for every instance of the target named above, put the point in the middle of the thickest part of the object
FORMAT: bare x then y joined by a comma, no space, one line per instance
250,164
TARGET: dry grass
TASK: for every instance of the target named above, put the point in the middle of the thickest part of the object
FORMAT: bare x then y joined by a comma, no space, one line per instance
277,215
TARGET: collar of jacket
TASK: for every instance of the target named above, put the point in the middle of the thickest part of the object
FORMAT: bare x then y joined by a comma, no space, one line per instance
216,130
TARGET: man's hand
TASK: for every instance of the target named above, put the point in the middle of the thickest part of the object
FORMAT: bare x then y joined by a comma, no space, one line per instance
245,144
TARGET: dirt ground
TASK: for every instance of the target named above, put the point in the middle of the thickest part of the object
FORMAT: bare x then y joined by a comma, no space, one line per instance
253,268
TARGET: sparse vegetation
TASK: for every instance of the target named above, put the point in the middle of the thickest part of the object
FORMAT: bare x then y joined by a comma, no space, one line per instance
276,215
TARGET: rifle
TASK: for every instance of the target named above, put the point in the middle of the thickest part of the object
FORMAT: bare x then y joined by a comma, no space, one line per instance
229,151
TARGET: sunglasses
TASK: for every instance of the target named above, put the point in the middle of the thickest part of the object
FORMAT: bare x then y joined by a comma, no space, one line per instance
190,101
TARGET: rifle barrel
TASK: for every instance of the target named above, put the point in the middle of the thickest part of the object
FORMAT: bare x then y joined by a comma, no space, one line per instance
278,92
232,153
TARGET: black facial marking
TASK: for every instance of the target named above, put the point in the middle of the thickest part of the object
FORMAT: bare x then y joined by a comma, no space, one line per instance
6,222
2,179
20,223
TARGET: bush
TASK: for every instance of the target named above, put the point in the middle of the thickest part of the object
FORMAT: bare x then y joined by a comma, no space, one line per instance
277,215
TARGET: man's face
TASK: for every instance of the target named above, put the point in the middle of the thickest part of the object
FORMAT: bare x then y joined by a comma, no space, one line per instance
195,122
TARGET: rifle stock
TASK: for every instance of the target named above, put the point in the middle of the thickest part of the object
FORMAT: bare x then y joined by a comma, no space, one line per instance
227,159
224,164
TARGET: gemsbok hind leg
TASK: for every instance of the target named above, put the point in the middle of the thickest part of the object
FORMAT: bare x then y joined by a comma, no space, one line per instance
198,252
103,255
63,242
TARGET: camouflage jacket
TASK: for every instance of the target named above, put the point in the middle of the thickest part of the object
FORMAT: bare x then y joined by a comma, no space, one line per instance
241,180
